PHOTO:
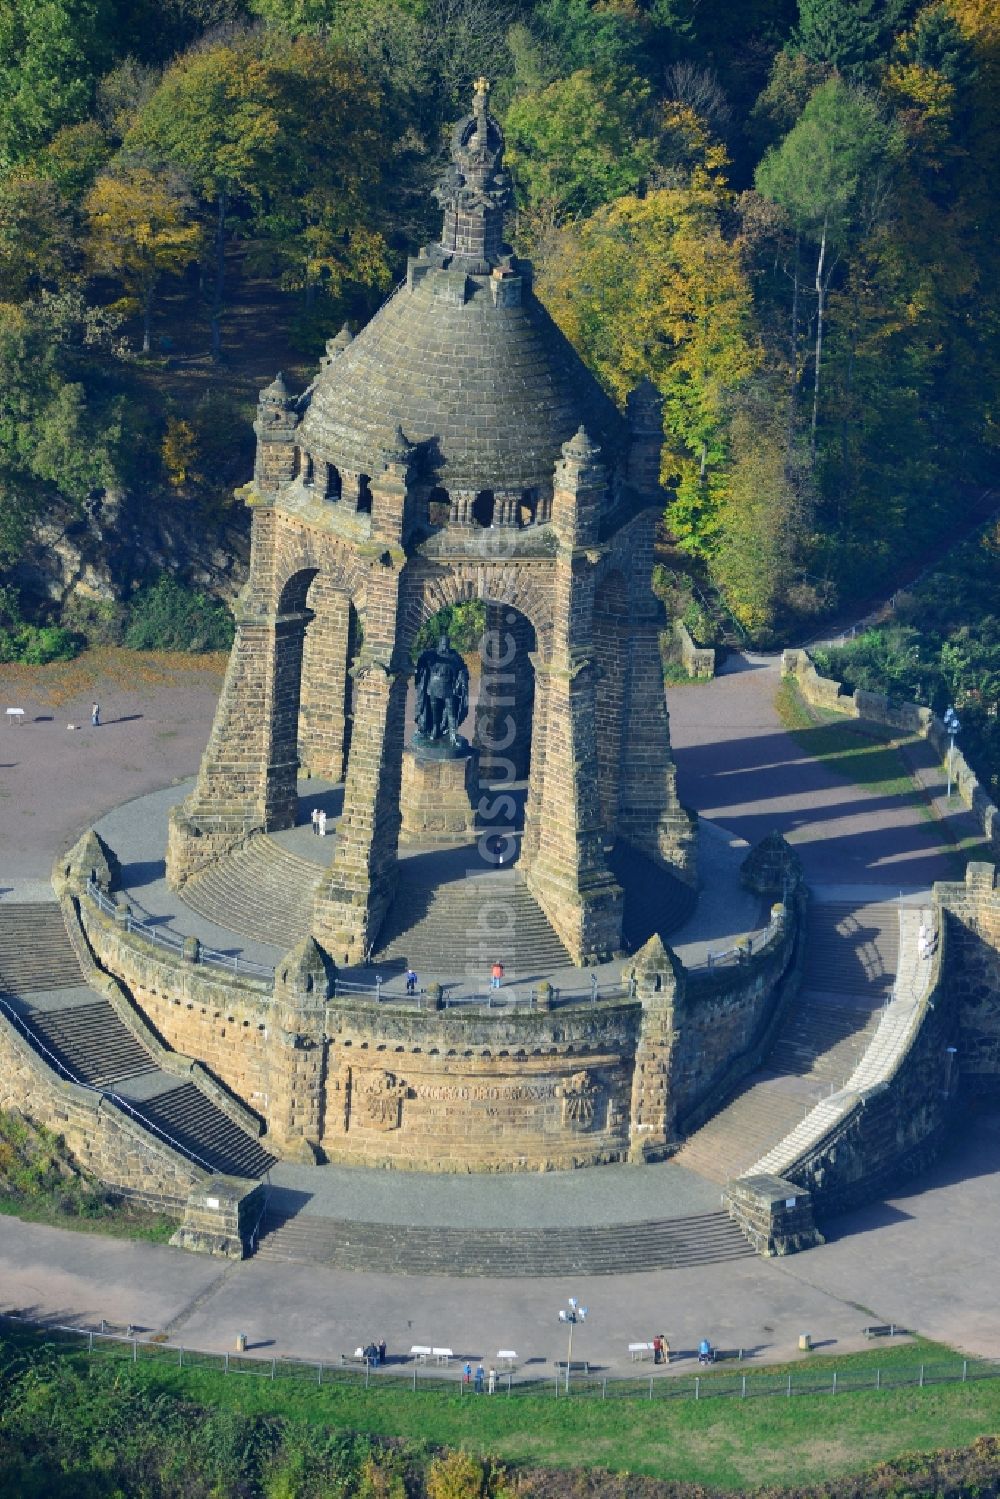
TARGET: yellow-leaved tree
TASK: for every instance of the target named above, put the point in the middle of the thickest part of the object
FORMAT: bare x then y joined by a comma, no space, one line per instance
651,287
140,228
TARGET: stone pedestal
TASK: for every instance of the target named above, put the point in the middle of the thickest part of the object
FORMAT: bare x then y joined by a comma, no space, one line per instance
438,798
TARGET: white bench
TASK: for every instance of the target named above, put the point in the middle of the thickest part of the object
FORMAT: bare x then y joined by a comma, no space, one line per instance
442,1355
639,1351
506,1360
421,1352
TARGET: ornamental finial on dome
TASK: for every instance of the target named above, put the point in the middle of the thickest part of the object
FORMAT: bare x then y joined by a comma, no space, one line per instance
476,189
580,449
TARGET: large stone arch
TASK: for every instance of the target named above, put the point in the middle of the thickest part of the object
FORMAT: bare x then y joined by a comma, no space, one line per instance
430,587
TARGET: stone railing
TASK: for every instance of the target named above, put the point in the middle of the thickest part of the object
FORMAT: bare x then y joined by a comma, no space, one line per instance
888,1122
697,660
911,718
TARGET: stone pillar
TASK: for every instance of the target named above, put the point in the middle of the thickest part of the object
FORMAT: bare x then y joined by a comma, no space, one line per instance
389,491
649,812
659,984
351,903
611,652
462,502
325,682
297,1052
248,774
506,694
563,860
506,507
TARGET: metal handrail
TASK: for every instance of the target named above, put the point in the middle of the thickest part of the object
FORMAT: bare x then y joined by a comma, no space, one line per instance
231,962
35,1042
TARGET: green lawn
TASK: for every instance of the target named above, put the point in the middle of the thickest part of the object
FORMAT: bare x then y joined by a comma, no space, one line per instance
725,1442
864,755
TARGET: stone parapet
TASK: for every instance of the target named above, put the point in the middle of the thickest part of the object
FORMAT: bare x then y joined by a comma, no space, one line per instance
221,1217
698,660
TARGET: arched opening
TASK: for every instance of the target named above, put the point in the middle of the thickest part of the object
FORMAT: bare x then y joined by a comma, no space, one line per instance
438,506
333,483
364,494
306,467
611,655
483,508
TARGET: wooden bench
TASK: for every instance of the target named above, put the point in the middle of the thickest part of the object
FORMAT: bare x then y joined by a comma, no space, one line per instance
719,1354
639,1351
884,1330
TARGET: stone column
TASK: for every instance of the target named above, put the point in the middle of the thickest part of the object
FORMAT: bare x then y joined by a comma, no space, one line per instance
659,983
351,903
324,695
565,868
462,502
247,779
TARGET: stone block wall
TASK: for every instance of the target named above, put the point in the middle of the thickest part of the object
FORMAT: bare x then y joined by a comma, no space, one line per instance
895,1130
697,660
728,1019
100,1136
972,918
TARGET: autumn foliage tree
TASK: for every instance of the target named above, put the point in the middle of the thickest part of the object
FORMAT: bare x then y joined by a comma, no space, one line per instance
140,228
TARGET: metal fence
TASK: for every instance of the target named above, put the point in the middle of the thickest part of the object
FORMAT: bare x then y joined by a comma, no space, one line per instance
407,1376
174,941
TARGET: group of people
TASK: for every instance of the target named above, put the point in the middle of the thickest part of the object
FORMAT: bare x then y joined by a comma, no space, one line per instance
661,1349
481,1380
926,941
374,1353
319,821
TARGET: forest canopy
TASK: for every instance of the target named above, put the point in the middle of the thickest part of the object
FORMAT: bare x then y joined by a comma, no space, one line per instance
784,215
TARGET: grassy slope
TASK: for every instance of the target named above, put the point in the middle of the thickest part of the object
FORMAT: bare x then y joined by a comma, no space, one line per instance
726,1443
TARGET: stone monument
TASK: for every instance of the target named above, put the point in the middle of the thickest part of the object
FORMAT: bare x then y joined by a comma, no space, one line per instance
456,448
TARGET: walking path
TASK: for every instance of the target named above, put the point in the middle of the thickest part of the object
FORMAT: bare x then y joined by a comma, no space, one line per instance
930,1267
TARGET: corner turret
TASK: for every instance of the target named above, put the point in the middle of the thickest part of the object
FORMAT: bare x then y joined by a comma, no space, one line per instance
275,426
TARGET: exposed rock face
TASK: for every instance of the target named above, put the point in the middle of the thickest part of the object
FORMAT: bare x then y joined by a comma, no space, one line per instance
120,538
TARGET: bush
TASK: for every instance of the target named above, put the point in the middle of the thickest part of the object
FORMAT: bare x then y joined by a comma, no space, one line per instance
169,617
36,645
98,621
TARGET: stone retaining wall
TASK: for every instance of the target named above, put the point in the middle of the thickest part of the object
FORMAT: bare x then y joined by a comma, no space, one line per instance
729,1019
698,661
101,1137
973,932
894,713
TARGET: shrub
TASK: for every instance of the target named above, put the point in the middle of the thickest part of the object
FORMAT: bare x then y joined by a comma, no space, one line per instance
36,645
98,621
169,617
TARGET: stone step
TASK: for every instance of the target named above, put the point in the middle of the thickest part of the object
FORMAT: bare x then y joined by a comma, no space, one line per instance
261,891
820,1042
704,1239
83,1032
655,899
451,926
35,950
92,1043
191,1120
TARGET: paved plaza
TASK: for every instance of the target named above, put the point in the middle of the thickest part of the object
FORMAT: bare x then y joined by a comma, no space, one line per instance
923,1258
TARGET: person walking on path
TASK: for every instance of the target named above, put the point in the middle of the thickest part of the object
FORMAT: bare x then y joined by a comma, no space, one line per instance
315,820
496,974
322,824
411,981
95,715
492,1384
467,1375
480,1376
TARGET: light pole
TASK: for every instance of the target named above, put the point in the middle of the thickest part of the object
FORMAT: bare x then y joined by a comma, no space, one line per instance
952,725
571,1314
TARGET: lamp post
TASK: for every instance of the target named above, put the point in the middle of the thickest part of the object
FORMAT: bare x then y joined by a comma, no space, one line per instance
571,1314
952,725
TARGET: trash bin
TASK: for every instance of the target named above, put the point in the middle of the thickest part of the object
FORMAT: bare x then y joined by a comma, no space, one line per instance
241,1342
805,1342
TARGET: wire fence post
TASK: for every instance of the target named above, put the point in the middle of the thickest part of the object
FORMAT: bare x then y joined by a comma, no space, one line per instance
273,1362
921,1376
788,1392
414,1378
965,1367
135,1353
743,1391
697,1387
651,1387
878,1379
368,1371
604,1388
834,1390
90,1344
180,1357
225,1366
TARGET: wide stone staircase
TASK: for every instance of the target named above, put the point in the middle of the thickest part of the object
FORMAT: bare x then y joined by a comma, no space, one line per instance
464,923
78,1032
408,1249
655,900
851,957
261,891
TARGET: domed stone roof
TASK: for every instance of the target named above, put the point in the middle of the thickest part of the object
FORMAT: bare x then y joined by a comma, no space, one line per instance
462,358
